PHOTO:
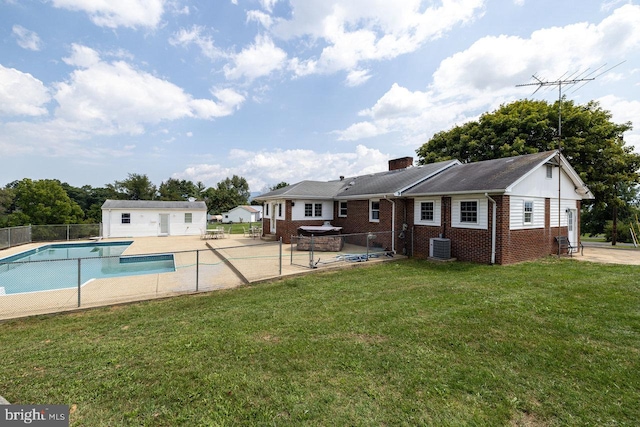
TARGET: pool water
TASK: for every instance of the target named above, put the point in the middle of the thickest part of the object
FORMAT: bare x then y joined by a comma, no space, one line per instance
56,266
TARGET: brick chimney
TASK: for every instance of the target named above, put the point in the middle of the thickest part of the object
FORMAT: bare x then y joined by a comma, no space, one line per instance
401,163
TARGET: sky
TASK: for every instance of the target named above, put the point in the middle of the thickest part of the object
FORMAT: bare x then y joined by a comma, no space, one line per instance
285,90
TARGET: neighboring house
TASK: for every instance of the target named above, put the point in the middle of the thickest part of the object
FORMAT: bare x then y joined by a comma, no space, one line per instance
243,213
496,211
139,218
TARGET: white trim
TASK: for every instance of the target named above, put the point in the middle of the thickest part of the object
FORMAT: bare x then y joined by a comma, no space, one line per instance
340,208
371,210
417,211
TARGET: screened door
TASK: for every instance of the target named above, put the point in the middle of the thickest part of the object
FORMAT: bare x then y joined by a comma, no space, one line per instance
164,224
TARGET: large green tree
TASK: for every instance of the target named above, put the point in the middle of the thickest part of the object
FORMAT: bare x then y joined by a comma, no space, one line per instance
135,187
177,189
590,141
43,202
227,194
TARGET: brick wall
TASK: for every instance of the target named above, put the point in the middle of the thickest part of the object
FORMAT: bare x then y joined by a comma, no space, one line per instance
466,244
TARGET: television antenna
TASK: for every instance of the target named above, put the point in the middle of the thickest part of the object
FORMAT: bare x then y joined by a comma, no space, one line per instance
565,80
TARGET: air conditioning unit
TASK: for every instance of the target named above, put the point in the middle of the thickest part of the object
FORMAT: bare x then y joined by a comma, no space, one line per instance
440,248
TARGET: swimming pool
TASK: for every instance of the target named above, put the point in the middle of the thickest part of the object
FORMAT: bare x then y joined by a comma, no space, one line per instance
61,266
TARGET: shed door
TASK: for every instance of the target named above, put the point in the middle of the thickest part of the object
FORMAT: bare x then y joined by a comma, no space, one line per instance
572,227
272,208
164,224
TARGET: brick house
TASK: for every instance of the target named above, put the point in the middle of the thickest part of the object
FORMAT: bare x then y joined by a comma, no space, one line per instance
496,211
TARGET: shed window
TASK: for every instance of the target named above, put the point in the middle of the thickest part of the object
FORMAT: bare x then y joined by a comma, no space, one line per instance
126,218
549,171
528,212
469,211
426,211
374,211
188,217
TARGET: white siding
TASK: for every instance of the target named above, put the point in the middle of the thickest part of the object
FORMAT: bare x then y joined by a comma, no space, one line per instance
564,205
538,185
436,211
146,222
297,211
516,215
482,212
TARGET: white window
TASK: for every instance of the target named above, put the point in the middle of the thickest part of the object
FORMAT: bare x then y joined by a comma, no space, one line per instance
126,218
549,171
528,211
426,211
342,209
188,217
469,211
374,211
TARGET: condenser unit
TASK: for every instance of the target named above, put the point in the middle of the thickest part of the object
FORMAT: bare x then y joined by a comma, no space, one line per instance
440,248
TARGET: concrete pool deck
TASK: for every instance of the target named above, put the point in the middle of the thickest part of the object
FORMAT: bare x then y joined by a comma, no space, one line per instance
222,264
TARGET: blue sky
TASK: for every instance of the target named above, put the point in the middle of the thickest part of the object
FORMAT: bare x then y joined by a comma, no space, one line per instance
283,90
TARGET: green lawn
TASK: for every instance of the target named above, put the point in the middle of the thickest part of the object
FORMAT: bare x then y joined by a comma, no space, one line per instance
555,342
236,228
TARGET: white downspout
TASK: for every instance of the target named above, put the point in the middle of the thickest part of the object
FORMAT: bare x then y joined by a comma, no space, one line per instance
493,229
393,222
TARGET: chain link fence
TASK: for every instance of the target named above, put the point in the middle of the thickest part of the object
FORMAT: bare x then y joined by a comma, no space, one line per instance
314,251
47,286
14,236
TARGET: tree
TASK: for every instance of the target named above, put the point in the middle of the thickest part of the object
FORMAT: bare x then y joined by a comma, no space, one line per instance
175,189
591,142
281,184
135,187
43,202
228,194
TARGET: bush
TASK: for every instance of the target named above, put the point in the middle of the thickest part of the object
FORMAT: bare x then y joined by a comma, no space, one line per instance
624,231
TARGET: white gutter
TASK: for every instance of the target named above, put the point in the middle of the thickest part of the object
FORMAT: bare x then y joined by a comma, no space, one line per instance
493,229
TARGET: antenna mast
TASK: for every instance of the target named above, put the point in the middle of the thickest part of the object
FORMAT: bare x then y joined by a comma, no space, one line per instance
570,80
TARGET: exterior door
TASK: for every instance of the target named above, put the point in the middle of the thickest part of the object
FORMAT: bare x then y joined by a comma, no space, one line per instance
272,213
572,228
164,224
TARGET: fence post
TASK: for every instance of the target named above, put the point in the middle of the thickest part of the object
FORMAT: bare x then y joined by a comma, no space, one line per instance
311,257
280,258
197,268
67,232
9,236
79,280
291,252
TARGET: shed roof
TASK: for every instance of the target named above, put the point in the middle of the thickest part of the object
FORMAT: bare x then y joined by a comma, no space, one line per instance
154,204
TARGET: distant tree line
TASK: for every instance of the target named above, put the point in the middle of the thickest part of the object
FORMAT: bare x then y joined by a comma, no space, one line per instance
49,201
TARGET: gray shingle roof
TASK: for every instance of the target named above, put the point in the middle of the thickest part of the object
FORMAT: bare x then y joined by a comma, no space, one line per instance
488,175
381,183
154,204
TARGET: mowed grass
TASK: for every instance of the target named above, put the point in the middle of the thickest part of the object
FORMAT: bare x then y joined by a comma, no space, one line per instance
549,343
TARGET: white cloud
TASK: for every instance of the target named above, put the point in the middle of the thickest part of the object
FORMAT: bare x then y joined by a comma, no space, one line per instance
185,37
363,30
484,76
268,4
264,19
357,77
118,13
259,59
114,98
263,168
22,94
27,39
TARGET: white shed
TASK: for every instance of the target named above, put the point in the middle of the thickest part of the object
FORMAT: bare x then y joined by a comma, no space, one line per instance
141,218
243,213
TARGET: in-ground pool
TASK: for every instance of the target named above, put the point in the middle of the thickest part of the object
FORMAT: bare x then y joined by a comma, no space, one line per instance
60,266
